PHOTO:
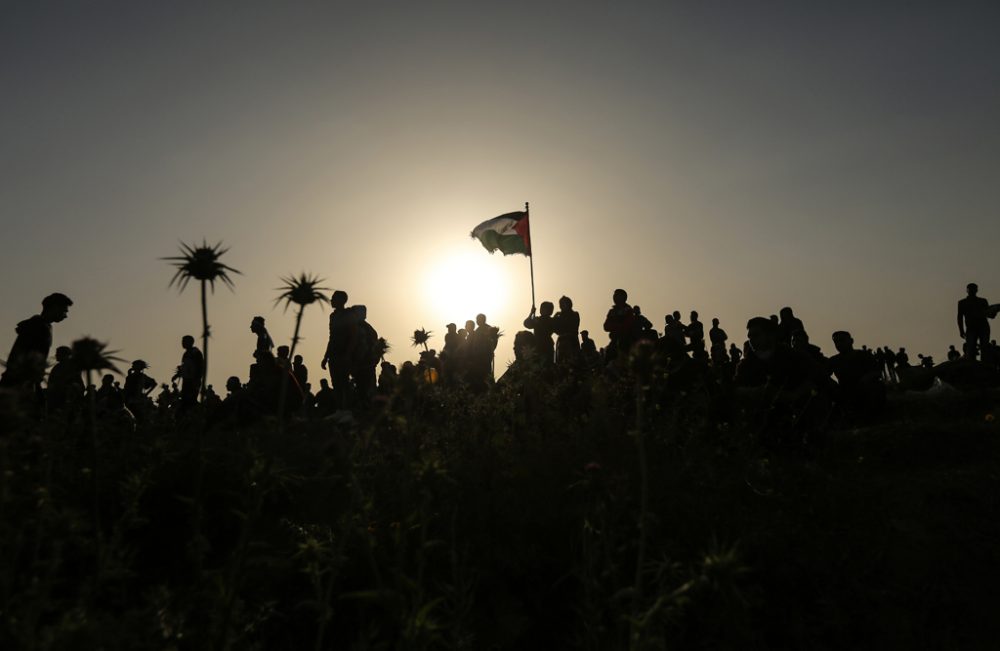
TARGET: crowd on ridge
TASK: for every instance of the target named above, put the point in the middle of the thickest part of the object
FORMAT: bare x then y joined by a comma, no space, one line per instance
777,358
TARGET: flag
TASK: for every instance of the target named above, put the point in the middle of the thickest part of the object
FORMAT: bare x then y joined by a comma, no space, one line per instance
509,233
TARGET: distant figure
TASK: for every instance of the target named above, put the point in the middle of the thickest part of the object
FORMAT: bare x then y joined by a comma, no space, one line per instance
589,354
902,359
452,341
642,323
621,326
717,337
30,352
890,364
800,342
788,325
264,341
926,361
138,386
735,353
953,355
543,327
973,323
567,329
386,379
482,345
341,347
281,358
189,373
769,363
64,385
674,330
695,332
859,378
326,401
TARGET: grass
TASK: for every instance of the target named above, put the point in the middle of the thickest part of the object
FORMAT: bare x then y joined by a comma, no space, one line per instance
504,520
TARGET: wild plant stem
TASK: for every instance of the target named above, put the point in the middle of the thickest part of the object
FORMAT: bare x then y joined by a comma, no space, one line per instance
640,561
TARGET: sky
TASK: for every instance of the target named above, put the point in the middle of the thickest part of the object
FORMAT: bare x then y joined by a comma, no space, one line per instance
718,156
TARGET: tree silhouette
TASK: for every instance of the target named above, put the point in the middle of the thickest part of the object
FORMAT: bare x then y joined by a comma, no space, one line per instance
202,264
303,291
421,337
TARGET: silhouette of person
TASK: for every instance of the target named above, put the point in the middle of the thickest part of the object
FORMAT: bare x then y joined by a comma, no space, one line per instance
64,385
718,337
483,344
452,341
673,329
973,323
953,355
800,342
567,329
788,325
300,371
890,364
281,358
589,354
264,341
902,359
735,353
190,372
695,332
326,400
859,377
387,378
138,386
340,349
543,327
621,326
642,323
30,352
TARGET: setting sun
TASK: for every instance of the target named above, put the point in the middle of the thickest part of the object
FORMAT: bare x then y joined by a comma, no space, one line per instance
465,283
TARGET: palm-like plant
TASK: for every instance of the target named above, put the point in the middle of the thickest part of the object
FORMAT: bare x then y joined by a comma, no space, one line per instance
201,263
302,291
421,337
90,355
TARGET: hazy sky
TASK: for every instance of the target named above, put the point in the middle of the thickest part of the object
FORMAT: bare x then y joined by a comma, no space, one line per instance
711,156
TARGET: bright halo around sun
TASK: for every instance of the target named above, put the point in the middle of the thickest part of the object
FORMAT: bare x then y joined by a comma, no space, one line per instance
464,284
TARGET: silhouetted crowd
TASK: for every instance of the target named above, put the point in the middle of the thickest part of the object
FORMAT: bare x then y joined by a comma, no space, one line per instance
777,370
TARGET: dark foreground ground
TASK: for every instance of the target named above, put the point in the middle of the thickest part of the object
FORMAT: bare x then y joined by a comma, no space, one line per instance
510,522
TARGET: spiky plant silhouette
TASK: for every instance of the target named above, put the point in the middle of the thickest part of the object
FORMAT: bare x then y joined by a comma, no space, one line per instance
421,337
201,263
302,291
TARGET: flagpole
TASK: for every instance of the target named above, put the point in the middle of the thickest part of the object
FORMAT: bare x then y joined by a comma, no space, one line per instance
531,256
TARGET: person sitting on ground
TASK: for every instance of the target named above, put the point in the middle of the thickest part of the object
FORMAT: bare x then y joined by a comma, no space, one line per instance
859,379
953,355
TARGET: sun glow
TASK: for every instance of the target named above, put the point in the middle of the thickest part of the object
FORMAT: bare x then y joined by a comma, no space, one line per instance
463,284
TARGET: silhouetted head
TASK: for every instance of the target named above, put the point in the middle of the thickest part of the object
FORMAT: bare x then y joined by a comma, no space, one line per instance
668,319
324,384
480,319
257,324
297,359
283,352
636,310
187,341
585,334
55,307
565,303
715,322
233,384
452,328
972,289
139,365
763,336
338,299
677,315
843,341
694,316
620,297
786,313
470,326
107,380
799,339
63,353
546,308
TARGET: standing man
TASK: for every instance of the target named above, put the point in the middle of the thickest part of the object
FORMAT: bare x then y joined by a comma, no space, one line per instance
341,347
30,352
190,372
973,325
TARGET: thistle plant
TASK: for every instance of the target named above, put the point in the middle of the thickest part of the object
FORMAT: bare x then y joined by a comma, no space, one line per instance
202,264
421,337
302,291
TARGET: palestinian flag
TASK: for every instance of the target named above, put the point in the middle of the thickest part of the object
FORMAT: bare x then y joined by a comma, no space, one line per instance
509,233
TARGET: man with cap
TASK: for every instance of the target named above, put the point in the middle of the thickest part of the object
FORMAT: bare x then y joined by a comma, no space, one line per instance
28,356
